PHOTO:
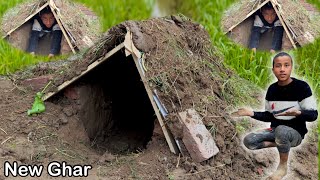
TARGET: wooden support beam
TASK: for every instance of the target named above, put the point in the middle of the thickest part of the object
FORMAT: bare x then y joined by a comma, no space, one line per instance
27,19
284,25
90,67
170,140
252,12
131,49
52,5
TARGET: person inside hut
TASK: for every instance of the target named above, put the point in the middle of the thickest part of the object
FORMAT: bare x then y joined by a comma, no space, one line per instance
266,20
45,24
289,105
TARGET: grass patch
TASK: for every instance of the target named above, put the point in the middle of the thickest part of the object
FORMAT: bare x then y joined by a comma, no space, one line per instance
243,125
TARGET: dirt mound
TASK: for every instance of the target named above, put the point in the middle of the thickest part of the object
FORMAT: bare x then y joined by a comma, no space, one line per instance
173,48
186,71
82,25
302,24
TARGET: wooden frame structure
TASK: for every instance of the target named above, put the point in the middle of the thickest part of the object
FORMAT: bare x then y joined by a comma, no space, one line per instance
273,2
54,9
130,49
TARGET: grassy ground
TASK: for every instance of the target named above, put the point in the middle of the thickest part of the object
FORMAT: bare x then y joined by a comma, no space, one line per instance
11,59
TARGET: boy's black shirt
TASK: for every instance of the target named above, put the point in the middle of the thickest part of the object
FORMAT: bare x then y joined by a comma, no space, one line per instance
298,94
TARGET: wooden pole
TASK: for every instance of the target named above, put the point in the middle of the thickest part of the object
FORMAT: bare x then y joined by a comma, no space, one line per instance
170,140
284,25
248,15
90,67
52,5
27,19
133,50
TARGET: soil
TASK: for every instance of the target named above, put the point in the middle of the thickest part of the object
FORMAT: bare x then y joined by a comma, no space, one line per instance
105,118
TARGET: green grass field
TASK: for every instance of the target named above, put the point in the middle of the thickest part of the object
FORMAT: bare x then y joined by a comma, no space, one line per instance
254,67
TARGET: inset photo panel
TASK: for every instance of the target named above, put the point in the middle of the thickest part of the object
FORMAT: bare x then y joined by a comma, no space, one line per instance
49,28
271,25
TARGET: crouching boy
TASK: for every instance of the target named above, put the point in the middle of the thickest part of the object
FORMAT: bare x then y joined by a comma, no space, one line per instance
289,105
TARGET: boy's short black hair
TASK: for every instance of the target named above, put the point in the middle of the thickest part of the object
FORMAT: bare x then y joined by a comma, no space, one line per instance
268,6
46,10
279,55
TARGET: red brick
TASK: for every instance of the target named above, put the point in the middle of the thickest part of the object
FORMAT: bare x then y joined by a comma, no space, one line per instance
196,138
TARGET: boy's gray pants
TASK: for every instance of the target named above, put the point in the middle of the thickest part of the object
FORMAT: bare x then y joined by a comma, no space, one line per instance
285,137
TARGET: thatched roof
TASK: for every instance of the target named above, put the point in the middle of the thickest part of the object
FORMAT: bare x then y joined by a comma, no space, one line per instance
302,25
